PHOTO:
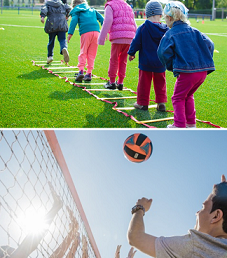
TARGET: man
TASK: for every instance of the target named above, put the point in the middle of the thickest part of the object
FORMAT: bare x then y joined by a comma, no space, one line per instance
207,240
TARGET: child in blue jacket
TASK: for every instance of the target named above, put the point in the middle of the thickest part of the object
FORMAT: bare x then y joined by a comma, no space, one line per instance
146,41
188,53
89,30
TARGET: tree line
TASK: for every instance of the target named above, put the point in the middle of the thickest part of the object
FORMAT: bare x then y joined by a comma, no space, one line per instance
191,4
140,4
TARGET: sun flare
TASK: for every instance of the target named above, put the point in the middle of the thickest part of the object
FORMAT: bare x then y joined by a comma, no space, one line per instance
33,221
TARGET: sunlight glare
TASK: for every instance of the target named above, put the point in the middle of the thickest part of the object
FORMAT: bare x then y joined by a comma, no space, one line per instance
33,221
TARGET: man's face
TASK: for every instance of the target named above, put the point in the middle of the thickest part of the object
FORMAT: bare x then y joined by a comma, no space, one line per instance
203,217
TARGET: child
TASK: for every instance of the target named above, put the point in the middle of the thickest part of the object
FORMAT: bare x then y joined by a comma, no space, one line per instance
188,53
56,25
146,41
119,22
89,31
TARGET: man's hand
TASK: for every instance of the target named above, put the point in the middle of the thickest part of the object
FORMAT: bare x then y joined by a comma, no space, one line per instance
42,19
146,203
57,200
130,58
223,179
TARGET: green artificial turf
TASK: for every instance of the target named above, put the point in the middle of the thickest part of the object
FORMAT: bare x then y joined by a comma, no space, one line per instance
33,98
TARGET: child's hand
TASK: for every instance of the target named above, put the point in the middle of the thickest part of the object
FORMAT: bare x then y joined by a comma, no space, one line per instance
117,253
69,37
130,58
131,253
42,19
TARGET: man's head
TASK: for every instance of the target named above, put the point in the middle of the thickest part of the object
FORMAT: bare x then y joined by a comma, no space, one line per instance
219,201
212,218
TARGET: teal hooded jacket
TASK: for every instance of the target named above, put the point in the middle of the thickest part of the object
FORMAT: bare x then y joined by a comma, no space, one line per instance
86,17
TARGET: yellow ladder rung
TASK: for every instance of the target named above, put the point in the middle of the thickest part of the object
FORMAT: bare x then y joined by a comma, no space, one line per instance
106,90
88,83
155,120
131,108
130,97
64,67
46,61
64,72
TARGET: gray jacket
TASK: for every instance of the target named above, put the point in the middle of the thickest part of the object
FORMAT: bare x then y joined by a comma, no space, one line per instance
56,13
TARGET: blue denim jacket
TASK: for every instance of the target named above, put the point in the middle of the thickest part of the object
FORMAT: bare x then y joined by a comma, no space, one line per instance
184,49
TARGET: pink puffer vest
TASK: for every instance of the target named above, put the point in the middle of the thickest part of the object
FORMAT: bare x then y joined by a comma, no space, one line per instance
123,20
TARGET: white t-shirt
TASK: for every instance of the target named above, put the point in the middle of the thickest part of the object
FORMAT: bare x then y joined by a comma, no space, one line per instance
193,245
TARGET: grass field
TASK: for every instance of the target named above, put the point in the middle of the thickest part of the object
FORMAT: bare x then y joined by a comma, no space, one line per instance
33,98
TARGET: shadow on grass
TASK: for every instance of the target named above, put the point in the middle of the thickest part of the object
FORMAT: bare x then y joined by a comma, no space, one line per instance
108,118
151,114
74,93
34,75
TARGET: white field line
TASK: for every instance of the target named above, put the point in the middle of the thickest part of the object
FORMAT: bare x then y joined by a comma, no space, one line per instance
24,26
41,27
217,34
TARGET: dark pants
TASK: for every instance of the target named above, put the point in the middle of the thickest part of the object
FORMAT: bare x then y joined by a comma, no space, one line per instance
61,39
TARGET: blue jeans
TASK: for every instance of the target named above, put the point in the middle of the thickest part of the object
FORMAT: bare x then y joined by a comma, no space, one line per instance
61,39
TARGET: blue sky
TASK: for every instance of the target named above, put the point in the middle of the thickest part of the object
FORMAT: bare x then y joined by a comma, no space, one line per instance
180,174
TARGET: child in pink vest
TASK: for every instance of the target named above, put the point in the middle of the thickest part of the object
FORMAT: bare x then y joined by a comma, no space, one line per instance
120,24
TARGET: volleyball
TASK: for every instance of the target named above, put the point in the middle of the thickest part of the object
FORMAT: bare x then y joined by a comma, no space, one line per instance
137,148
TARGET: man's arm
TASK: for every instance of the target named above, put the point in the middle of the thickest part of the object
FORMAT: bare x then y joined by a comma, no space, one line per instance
136,231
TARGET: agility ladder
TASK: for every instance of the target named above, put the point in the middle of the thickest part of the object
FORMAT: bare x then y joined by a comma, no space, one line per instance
56,68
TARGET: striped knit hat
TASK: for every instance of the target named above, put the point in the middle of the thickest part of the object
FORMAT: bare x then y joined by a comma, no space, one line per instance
152,8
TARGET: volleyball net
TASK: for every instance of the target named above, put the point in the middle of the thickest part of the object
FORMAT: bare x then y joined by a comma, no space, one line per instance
40,211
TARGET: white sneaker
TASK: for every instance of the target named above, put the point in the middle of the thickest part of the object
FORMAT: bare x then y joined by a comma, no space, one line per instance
190,125
49,59
65,54
173,126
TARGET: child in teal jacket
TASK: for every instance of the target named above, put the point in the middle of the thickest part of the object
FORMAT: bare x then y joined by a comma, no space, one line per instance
89,30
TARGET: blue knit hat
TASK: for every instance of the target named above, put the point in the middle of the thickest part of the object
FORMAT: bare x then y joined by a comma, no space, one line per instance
153,7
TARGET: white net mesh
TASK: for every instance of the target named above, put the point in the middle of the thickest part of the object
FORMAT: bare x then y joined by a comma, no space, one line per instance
38,215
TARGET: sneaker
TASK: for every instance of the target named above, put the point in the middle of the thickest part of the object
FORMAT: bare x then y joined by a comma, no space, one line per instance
65,54
140,107
50,59
87,77
80,76
111,86
173,126
119,86
190,125
161,107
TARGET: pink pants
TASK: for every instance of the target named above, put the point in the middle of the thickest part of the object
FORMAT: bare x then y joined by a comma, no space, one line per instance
183,99
88,50
118,62
144,87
